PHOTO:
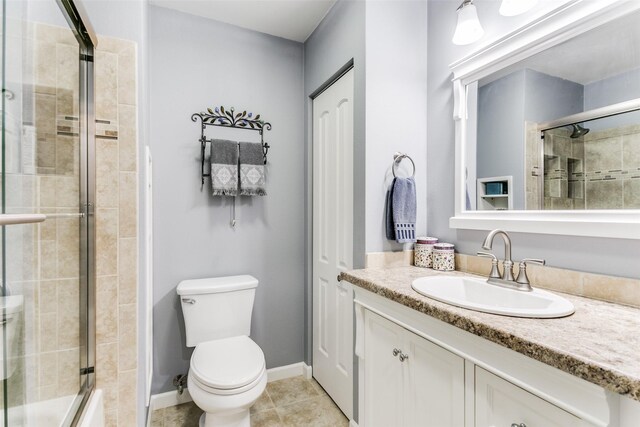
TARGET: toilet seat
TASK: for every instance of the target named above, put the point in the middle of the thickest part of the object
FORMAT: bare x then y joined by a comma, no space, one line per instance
227,366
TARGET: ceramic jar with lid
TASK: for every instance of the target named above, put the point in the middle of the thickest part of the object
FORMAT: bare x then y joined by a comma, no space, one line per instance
444,257
423,252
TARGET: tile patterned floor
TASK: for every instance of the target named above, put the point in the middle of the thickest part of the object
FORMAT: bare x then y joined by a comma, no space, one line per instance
285,403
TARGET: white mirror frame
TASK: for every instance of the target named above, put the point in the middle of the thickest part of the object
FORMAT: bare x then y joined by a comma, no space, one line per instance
569,20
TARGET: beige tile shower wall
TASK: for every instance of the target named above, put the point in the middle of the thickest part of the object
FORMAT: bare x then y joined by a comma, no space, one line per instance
619,290
562,170
532,168
116,229
613,168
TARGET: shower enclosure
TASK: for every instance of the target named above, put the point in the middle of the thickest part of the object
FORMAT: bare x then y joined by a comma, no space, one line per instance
47,298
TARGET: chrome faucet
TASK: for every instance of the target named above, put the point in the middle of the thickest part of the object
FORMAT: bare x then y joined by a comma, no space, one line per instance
506,279
507,264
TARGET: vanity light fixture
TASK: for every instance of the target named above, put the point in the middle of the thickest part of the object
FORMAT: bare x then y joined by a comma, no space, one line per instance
516,7
468,29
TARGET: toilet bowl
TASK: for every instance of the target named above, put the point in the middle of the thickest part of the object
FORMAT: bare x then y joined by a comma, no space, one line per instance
227,372
226,377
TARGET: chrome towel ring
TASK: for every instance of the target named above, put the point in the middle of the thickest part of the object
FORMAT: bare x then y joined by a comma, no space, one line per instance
397,159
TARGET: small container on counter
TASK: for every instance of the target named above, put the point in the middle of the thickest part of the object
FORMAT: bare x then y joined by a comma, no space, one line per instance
444,257
423,252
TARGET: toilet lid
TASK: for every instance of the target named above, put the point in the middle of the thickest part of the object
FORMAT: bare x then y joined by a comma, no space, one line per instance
227,363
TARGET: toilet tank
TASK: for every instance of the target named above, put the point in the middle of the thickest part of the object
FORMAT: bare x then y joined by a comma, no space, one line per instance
216,308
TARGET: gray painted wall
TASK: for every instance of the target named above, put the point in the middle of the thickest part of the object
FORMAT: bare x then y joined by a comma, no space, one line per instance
189,71
503,107
396,108
612,90
501,132
337,40
548,97
608,256
619,88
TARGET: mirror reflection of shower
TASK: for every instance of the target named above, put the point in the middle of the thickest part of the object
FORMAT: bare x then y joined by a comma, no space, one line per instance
592,164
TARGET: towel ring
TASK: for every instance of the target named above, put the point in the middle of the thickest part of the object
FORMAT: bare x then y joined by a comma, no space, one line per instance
397,158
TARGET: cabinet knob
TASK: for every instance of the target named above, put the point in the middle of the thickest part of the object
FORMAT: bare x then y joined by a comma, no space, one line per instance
404,357
396,351
518,425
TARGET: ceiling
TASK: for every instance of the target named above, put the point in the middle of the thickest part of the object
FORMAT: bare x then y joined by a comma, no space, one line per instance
603,52
289,19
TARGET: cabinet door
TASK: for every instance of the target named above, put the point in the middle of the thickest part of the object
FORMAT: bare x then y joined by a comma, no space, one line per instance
383,404
500,403
434,385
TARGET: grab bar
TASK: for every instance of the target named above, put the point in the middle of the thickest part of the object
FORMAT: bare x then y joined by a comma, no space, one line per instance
16,219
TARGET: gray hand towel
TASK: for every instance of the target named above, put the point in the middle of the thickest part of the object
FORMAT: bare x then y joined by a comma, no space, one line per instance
224,167
403,206
252,177
390,231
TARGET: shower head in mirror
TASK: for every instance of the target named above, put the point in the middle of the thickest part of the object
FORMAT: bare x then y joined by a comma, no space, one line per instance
578,131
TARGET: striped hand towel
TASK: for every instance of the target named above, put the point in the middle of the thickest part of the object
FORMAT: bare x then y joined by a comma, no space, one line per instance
224,167
252,176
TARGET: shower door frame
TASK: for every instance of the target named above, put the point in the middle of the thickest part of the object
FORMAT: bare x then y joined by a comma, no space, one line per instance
87,40
78,22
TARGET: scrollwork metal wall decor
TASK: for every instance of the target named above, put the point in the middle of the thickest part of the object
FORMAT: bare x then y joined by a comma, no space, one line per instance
219,116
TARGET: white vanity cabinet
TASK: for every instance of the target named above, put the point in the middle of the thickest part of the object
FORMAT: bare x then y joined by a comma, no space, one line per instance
409,381
450,377
500,403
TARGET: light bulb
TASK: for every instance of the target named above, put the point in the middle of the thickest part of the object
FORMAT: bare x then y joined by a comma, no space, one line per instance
516,7
468,29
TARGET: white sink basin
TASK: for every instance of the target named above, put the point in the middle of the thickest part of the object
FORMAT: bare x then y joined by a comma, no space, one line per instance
477,294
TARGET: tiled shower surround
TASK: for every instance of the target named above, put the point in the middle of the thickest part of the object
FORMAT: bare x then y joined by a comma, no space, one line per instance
612,168
116,229
599,170
43,259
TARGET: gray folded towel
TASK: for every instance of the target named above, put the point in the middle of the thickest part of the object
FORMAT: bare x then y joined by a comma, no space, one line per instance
224,167
252,177
403,206
390,231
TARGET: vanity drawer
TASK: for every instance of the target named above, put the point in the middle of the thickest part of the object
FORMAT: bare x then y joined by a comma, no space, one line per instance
500,403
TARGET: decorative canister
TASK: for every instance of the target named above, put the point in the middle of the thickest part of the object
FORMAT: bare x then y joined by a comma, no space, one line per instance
443,257
423,252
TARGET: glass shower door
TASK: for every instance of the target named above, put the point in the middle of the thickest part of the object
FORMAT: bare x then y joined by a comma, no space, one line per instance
44,248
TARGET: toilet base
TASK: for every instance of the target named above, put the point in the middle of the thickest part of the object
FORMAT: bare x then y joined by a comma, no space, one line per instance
236,419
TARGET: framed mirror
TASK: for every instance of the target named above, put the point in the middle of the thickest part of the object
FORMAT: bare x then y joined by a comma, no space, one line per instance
548,125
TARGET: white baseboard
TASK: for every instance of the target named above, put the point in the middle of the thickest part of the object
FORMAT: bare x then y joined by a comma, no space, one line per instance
288,371
172,398
308,371
169,398
353,424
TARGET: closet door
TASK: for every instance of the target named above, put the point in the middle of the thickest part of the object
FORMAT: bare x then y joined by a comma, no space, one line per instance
333,241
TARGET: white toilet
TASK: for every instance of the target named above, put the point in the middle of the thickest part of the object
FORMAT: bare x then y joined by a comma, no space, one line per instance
227,372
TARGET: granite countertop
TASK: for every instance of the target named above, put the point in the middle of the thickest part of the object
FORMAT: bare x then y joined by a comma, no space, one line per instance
599,343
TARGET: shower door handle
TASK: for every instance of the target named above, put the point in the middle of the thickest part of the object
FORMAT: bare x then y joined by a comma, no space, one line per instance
17,219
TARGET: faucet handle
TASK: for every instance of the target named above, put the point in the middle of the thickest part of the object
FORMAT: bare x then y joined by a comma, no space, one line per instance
495,273
522,273
533,261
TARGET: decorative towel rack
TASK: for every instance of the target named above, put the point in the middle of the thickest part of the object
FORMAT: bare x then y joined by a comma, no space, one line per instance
230,119
397,159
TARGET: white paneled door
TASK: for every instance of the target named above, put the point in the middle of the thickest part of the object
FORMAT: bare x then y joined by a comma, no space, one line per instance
333,241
